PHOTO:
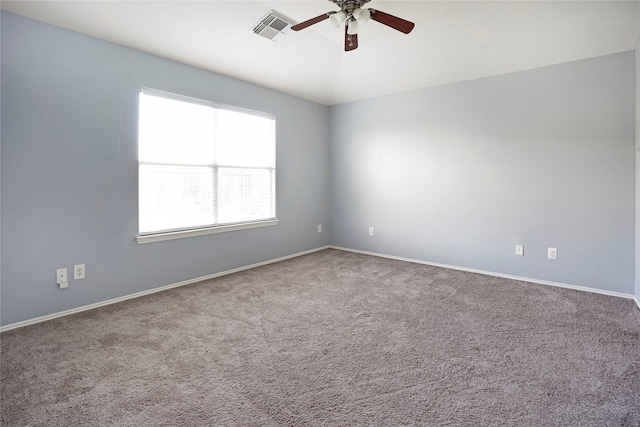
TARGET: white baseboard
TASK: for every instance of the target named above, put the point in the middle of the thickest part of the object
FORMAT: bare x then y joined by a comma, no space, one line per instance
271,261
490,273
150,291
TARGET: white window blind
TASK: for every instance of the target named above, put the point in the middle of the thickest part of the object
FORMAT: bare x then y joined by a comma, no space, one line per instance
202,165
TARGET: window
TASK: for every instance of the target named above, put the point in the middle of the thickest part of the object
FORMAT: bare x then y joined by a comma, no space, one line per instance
202,166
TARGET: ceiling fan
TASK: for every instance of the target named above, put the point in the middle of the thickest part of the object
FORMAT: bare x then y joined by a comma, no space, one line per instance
351,15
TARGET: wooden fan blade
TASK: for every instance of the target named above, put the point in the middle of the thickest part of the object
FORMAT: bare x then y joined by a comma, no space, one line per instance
311,21
394,22
350,40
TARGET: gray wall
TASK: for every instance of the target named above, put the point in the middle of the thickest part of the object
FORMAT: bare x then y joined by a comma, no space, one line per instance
456,174
637,293
460,174
69,172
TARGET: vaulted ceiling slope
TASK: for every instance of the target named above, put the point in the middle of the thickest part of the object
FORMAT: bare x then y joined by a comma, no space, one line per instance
453,40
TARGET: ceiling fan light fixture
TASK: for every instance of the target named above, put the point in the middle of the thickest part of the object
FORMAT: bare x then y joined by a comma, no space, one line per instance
338,18
352,27
362,15
352,14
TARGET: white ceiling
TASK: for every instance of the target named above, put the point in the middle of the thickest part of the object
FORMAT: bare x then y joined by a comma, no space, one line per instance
452,41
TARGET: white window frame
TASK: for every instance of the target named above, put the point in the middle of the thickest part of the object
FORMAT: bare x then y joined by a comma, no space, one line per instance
157,236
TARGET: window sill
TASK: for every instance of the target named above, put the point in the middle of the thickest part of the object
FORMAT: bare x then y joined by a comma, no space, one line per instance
159,237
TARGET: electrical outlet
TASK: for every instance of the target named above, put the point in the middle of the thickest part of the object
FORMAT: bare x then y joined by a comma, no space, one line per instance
520,250
78,271
319,228
371,233
552,253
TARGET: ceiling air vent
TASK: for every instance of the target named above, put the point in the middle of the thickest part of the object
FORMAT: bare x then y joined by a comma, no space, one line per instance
273,26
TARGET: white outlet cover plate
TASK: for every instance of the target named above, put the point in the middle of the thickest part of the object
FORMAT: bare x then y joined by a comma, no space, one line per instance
78,271
520,250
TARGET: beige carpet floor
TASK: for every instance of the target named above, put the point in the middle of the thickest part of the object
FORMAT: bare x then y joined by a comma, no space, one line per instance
337,339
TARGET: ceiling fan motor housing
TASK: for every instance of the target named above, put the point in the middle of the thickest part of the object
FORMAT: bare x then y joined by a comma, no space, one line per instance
348,6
